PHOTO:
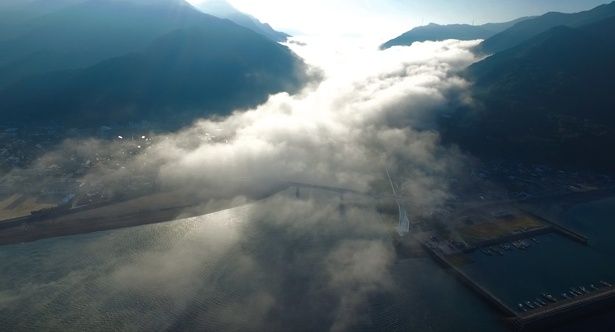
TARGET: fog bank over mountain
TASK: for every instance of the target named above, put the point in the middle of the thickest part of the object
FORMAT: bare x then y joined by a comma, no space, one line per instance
163,169
373,110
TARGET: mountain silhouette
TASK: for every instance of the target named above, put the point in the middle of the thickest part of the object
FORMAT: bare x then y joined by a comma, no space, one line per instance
106,61
223,9
548,99
532,27
436,32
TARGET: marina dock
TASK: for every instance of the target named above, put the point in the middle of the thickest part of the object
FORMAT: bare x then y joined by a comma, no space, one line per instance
565,231
549,226
536,318
564,308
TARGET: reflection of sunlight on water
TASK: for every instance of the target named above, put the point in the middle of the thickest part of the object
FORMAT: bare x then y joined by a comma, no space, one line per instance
141,278
194,273
226,218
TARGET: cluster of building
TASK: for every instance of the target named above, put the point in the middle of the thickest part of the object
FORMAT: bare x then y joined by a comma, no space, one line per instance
523,181
21,147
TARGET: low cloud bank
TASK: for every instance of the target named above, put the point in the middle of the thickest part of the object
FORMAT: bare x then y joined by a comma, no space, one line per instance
373,110
295,262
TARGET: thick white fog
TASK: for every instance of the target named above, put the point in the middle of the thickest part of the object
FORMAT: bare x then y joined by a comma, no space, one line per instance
372,110
290,262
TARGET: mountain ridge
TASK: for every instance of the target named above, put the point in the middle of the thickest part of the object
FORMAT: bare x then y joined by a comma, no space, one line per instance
529,28
437,32
548,99
223,9
164,66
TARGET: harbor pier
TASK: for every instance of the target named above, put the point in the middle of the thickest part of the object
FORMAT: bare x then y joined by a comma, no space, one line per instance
565,309
541,316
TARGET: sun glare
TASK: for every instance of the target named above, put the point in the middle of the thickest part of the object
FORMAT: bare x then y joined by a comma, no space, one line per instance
319,17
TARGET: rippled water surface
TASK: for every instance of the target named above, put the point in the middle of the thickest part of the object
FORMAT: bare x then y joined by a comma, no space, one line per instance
219,272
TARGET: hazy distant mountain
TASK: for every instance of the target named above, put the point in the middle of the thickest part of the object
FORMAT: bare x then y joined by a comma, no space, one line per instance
115,61
13,13
40,6
549,99
532,27
436,32
223,9
89,32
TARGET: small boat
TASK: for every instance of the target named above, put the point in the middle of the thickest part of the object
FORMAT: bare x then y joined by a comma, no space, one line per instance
565,295
530,305
592,286
535,240
549,297
606,284
584,290
521,307
542,303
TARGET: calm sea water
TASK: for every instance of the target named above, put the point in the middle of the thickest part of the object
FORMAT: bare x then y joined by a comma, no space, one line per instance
556,264
196,274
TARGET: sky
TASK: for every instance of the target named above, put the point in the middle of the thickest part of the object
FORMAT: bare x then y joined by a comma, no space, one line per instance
386,17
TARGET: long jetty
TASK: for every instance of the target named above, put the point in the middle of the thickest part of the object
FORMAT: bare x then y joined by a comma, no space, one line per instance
564,308
563,230
486,294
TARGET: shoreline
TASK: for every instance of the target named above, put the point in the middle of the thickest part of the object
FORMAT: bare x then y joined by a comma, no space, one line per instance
104,217
158,208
